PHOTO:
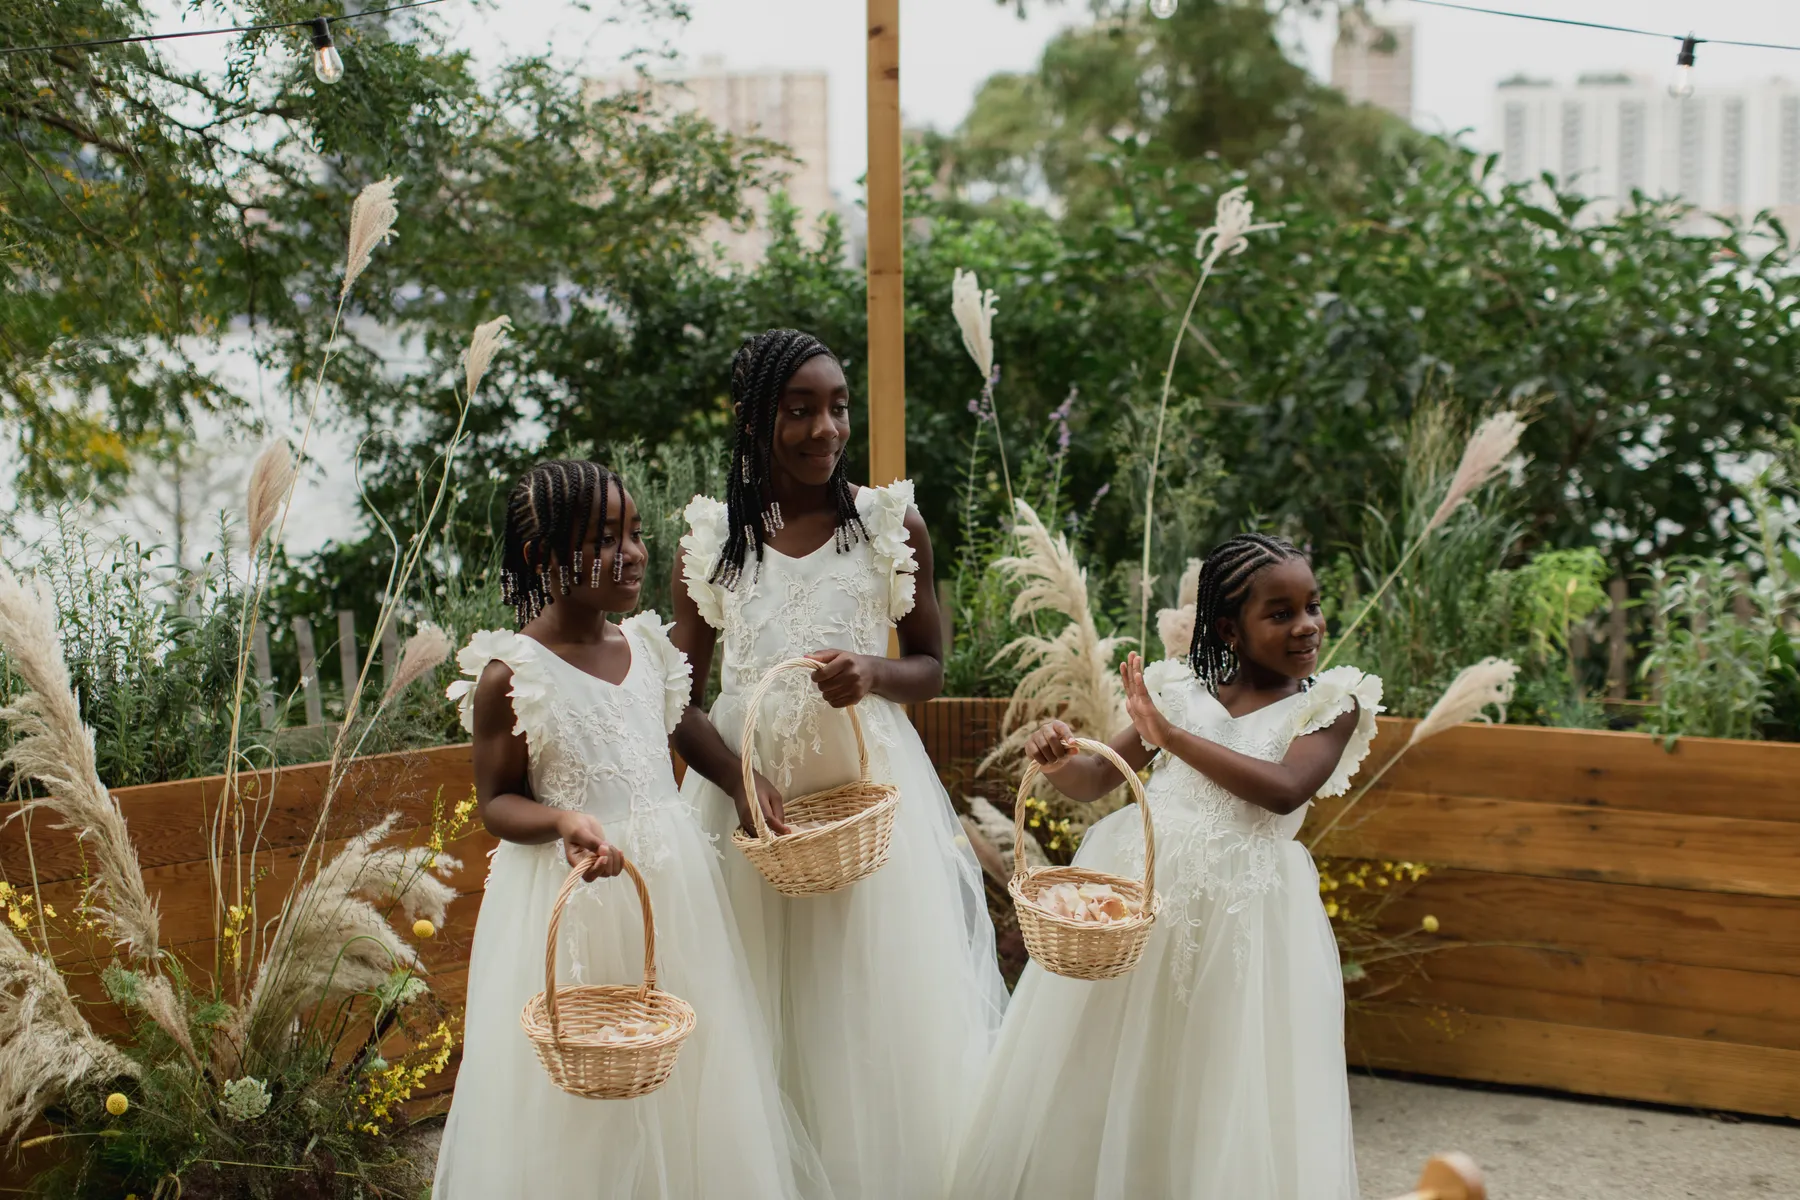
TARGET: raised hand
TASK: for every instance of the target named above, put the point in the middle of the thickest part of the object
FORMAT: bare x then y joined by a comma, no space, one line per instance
1051,747
584,841
846,678
1152,727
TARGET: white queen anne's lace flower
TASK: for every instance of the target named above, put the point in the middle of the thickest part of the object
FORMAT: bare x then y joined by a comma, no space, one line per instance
244,1099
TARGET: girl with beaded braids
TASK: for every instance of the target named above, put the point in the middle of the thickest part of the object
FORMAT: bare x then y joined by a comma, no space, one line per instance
570,717
883,996
1216,1067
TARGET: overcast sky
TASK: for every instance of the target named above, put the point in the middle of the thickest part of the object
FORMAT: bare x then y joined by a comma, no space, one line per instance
949,46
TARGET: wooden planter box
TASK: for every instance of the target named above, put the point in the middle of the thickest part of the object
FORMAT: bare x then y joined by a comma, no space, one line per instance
1631,916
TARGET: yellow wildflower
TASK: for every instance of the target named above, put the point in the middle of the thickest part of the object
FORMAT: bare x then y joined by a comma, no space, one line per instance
1429,924
116,1104
423,928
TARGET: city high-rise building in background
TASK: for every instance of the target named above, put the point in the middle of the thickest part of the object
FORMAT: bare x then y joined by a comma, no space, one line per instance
1373,63
783,106
1733,151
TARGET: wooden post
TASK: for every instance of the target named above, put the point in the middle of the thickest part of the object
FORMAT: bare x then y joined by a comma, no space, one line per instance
886,270
265,674
349,666
1618,642
309,671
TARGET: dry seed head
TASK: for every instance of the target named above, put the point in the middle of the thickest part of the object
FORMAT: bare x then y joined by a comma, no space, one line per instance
1476,687
424,652
1489,448
270,481
371,223
974,311
486,342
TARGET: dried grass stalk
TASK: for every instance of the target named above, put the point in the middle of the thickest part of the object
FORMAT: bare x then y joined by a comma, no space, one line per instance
424,652
1069,676
270,481
372,218
1175,626
974,311
483,345
45,1045
53,747
1487,452
336,939
1475,688
159,1003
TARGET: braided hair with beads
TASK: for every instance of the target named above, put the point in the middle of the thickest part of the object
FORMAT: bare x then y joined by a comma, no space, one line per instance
760,370
548,516
1224,584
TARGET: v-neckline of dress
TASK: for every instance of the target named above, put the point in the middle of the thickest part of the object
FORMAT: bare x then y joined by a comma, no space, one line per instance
630,666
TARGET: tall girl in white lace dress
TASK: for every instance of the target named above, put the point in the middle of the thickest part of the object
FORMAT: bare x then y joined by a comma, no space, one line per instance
1215,1070
884,996
571,718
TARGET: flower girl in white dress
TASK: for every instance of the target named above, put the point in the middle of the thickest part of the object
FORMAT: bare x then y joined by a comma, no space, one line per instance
1215,1069
885,996
571,718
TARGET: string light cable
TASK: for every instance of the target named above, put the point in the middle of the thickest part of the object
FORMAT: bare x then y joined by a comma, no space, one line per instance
328,66
1685,39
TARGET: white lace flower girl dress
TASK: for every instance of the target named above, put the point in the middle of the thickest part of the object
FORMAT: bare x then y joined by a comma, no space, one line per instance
1215,1070
885,996
717,1127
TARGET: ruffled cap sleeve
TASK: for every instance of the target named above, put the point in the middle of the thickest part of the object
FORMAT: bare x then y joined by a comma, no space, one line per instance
1334,693
703,542
530,691
669,665
884,512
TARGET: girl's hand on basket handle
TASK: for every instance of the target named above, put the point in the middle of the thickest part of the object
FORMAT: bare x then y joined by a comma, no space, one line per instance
845,678
1146,718
769,796
1051,747
584,841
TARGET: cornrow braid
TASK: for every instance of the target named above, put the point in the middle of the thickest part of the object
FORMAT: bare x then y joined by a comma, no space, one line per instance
760,370
1224,583
548,516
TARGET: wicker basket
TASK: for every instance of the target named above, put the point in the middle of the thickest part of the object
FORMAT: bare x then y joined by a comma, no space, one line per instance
564,1023
1082,949
856,818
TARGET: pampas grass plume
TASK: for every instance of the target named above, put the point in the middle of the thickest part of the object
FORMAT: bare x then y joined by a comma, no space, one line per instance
1490,446
486,342
52,746
46,1047
1476,687
371,223
1175,626
423,653
270,481
974,311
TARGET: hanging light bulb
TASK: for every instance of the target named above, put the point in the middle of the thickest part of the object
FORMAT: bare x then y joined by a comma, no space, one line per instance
1162,8
1683,84
326,64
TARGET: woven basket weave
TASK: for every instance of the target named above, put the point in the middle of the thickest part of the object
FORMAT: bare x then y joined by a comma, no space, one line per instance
857,818
1082,949
564,1023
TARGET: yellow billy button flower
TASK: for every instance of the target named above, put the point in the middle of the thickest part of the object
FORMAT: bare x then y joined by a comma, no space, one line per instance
116,1104
423,928
1429,924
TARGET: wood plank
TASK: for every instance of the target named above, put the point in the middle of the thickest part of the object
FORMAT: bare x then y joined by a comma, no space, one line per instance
1702,929
1726,854
1599,768
1674,1000
1598,1062
168,820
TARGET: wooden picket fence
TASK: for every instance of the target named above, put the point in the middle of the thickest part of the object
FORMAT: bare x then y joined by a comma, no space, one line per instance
310,686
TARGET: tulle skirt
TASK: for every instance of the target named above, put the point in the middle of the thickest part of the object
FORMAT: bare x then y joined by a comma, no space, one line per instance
718,1127
1123,1089
884,997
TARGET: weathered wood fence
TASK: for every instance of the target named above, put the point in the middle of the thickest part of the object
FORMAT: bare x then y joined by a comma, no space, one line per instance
310,685
1627,919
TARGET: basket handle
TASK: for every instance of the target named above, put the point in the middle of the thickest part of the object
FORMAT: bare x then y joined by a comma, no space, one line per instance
556,915
1033,772
747,744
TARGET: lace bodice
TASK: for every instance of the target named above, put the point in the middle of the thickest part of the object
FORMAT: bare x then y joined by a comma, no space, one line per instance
789,607
595,746
1209,841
